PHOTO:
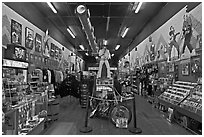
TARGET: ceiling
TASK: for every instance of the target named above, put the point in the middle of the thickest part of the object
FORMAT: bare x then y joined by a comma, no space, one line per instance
120,13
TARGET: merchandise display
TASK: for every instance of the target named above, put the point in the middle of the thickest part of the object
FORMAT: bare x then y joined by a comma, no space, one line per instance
177,92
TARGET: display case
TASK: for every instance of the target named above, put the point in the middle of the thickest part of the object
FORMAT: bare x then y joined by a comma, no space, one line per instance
14,80
177,92
25,116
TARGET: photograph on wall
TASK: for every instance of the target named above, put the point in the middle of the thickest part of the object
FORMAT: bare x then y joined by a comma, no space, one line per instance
29,36
171,67
52,50
56,53
16,32
38,43
195,66
185,69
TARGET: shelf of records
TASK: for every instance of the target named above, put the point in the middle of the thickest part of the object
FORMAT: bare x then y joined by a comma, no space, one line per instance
184,96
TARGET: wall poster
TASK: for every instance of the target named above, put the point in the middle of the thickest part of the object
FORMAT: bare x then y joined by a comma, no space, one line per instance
185,69
16,32
38,43
29,36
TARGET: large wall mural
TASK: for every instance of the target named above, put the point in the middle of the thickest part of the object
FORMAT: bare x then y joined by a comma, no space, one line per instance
177,38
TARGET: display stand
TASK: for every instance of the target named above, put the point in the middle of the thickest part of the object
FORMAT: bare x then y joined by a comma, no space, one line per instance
86,128
134,129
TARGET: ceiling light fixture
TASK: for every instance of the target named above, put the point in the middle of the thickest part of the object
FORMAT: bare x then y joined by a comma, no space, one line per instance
81,9
117,47
138,7
107,25
52,7
71,33
81,46
125,32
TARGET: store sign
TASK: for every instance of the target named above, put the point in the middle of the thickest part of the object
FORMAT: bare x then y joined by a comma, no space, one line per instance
12,63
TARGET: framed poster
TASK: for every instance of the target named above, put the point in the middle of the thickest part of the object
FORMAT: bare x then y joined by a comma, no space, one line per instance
38,43
60,54
52,50
56,53
16,32
29,36
196,66
171,67
185,69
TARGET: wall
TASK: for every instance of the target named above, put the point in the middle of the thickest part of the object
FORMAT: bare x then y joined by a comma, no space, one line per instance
8,14
164,15
161,39
163,48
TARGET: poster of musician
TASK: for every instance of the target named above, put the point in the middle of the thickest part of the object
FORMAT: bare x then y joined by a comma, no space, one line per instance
16,32
29,36
38,43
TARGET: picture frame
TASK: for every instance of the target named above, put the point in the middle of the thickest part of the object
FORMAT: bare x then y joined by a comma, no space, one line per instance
171,67
29,38
38,43
16,32
185,69
52,50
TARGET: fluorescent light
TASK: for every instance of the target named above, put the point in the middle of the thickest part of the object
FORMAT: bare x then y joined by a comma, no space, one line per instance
71,33
81,46
52,7
107,24
117,47
138,7
125,32
87,54
112,55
